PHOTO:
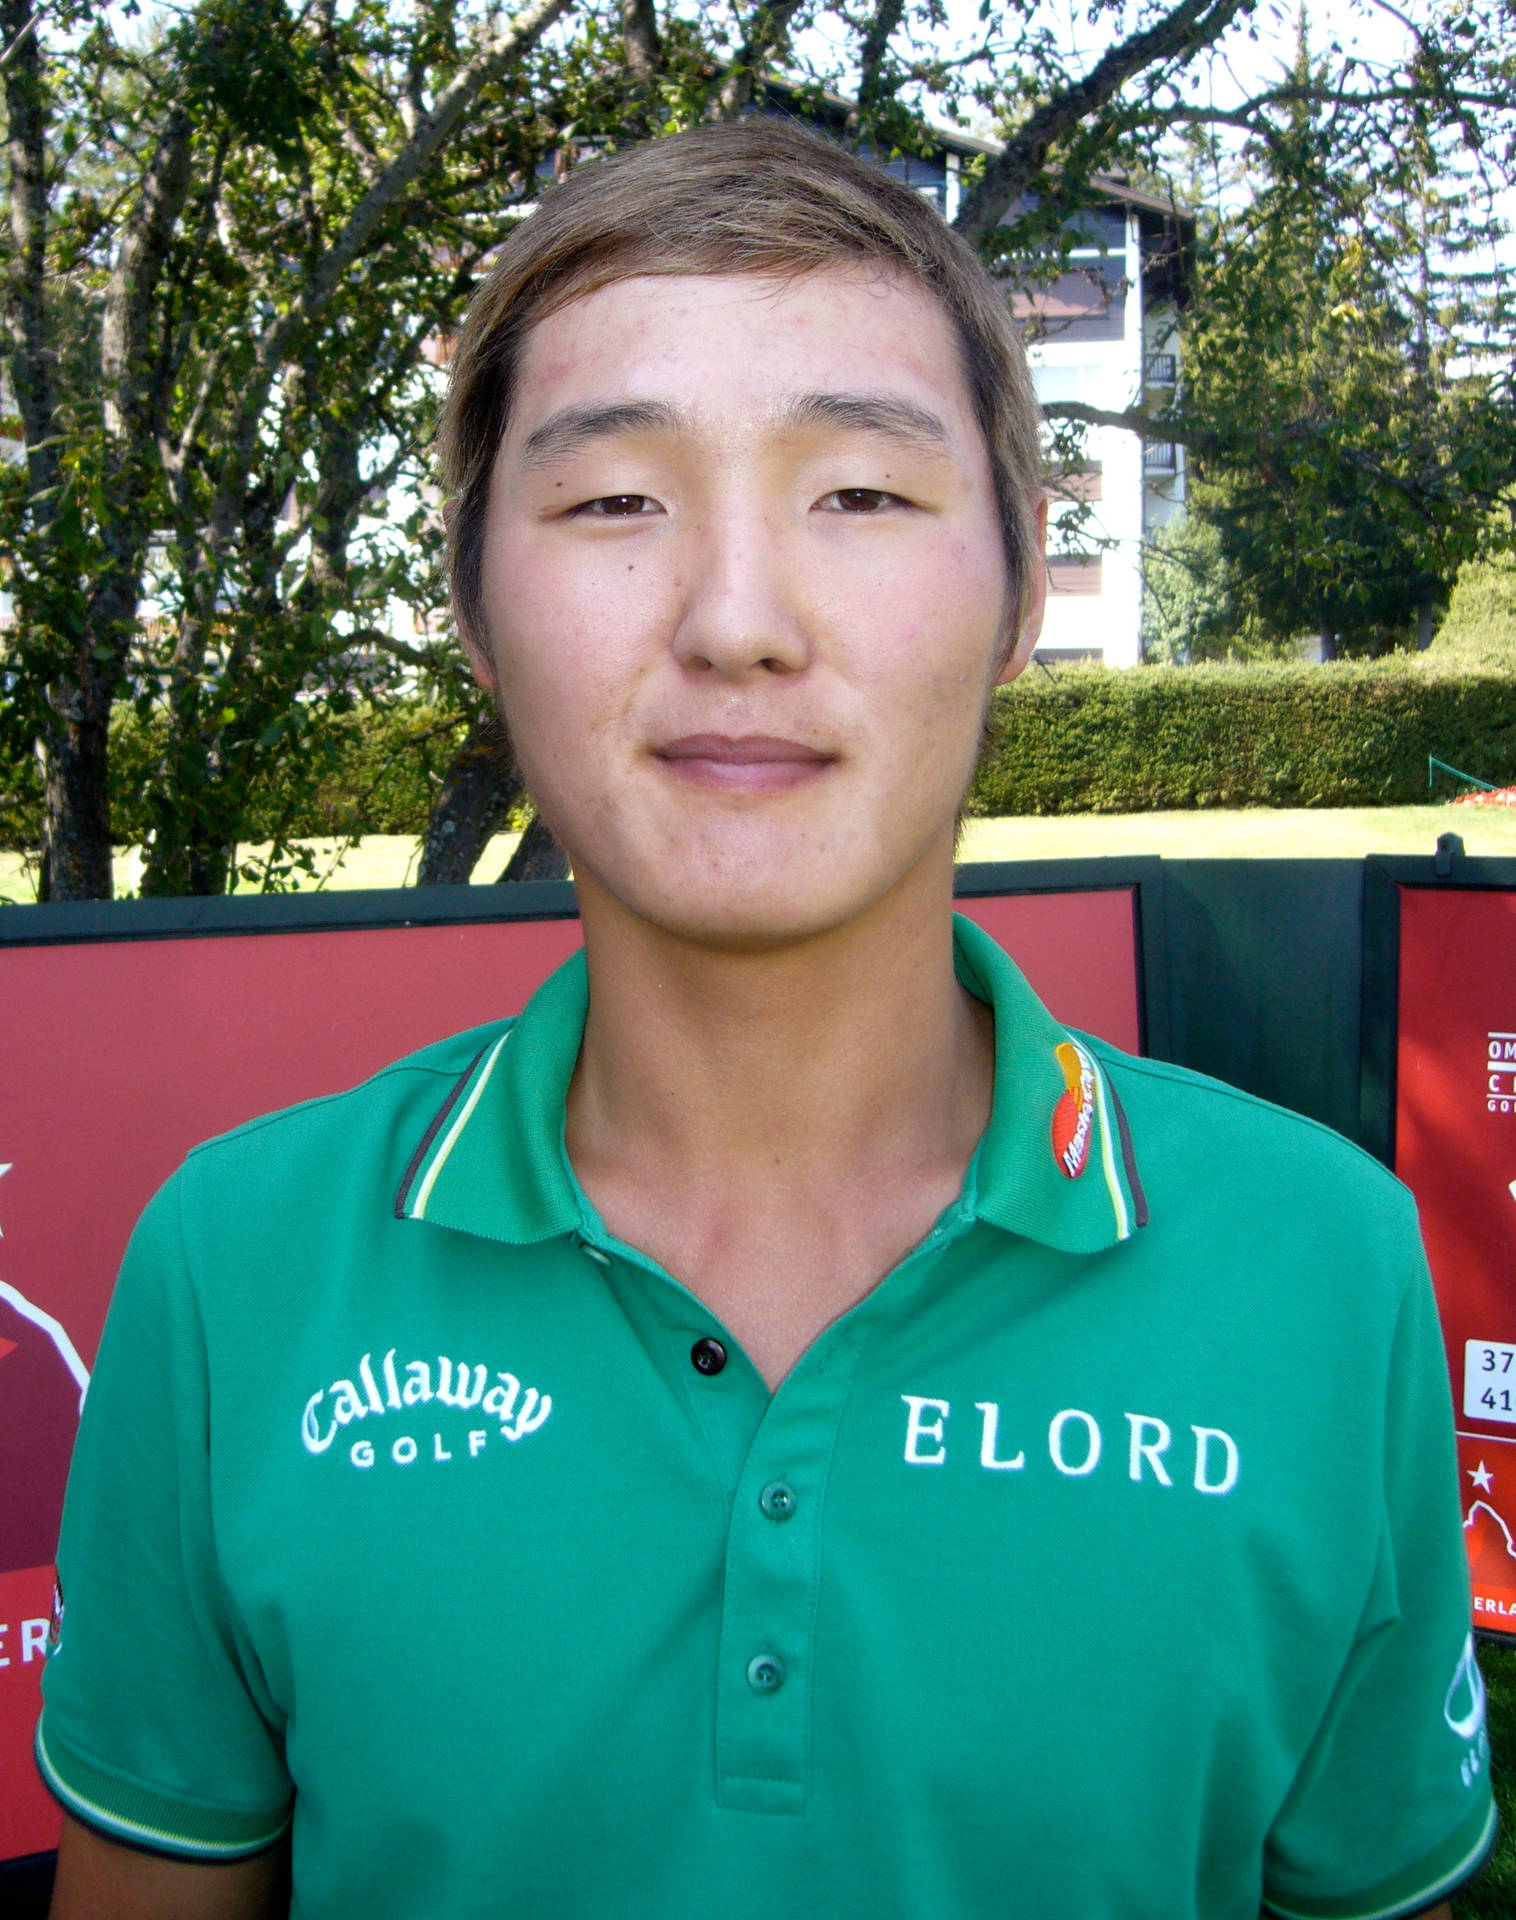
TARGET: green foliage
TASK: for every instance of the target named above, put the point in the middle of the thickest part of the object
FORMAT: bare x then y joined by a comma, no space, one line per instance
20,796
1480,627
1350,735
381,776
1342,450
373,769
1189,610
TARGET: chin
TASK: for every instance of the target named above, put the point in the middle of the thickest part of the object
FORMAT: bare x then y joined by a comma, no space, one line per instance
750,905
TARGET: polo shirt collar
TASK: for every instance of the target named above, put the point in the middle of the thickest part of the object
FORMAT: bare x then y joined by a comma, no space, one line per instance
492,1162
1055,1165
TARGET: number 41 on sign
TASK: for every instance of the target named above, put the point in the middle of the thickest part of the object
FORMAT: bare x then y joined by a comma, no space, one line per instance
1489,1381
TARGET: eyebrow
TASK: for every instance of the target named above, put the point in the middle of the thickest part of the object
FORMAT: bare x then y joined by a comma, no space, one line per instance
572,428
868,413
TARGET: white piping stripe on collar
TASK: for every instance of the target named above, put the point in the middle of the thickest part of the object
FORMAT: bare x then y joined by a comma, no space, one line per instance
450,1139
1107,1155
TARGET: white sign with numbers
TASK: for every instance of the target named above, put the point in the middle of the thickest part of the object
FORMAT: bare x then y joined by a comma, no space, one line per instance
1489,1381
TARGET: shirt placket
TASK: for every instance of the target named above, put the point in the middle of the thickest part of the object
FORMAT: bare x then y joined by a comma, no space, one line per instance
773,1570
773,1456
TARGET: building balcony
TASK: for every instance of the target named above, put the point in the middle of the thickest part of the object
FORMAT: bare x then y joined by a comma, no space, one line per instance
1161,370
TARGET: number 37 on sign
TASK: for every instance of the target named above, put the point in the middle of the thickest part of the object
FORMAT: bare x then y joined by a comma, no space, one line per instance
1489,1381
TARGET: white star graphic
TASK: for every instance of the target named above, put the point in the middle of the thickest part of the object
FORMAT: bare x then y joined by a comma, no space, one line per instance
1481,1476
5,1168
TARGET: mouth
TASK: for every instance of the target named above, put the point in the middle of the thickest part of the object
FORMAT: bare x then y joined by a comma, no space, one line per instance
750,763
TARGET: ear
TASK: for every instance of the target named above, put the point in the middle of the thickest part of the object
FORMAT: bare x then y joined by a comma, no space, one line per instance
1036,603
480,661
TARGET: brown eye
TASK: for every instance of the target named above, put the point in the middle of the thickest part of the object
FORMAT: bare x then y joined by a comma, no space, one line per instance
619,506
861,499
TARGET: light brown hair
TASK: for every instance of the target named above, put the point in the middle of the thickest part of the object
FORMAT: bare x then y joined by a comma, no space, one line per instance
763,196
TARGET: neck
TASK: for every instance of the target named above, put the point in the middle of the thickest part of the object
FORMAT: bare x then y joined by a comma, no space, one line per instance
821,1061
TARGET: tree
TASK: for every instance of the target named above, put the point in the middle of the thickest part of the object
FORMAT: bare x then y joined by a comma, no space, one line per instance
214,331
1189,610
1349,471
1348,401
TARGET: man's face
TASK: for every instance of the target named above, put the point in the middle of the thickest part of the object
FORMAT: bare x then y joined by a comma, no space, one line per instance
746,594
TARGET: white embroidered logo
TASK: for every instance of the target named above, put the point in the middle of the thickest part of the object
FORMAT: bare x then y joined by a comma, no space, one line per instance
1075,1445
1465,1691
465,1387
1463,1710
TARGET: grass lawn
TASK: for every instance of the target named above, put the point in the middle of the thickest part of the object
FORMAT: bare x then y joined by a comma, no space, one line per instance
1258,833
1493,1894
1251,833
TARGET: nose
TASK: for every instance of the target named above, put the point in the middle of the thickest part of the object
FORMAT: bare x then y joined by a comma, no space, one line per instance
742,611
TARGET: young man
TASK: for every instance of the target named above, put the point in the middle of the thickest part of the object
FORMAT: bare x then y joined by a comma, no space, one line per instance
745,1437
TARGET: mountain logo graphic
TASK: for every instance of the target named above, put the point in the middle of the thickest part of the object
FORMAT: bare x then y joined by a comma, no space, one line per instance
1491,1550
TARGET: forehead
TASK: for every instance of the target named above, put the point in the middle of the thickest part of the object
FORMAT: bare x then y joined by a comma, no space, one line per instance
733,344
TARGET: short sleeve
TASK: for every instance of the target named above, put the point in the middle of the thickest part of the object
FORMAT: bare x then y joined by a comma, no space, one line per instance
1392,1808
156,1729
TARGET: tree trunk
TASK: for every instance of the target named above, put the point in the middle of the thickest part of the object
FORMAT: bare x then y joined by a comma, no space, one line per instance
477,792
186,857
1424,626
76,818
539,856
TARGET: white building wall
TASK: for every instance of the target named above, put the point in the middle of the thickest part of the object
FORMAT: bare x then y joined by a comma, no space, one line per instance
1105,374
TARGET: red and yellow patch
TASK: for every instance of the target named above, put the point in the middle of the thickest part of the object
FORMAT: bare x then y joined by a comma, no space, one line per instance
1074,1112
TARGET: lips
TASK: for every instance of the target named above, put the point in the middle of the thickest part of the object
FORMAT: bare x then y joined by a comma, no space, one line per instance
748,763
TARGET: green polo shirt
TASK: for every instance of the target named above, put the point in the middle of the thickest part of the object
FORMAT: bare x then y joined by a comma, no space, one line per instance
1103,1563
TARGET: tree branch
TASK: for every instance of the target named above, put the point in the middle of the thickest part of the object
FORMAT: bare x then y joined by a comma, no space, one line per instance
1130,420
1191,25
139,266
872,92
432,132
26,142
766,30
640,41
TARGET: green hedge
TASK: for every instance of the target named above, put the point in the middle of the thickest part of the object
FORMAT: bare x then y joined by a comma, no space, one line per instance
1354,734
1091,740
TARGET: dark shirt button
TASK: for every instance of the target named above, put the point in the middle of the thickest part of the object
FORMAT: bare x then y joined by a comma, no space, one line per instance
765,1674
777,1501
708,1356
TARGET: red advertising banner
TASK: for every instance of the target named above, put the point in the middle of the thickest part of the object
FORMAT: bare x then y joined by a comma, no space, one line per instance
1455,1147
117,1056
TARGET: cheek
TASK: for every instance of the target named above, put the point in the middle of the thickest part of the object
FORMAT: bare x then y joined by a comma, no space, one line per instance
569,643
928,633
